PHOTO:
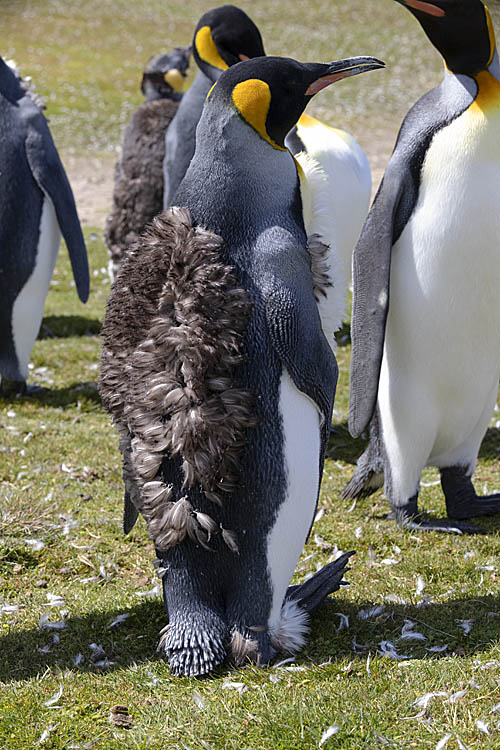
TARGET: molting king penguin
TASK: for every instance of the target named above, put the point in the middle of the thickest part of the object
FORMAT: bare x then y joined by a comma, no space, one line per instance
138,190
221,382
223,36
36,206
426,271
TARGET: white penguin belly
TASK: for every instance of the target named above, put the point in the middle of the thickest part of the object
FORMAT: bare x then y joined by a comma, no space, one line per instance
442,349
301,450
28,307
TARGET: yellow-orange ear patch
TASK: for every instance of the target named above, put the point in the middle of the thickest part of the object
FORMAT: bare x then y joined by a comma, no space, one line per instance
175,79
205,46
491,34
252,99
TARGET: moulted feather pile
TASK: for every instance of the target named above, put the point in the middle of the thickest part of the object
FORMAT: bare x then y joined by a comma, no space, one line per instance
172,341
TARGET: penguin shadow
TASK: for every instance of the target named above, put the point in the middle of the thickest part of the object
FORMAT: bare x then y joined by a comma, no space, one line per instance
66,326
455,627
92,644
490,447
343,335
343,447
70,395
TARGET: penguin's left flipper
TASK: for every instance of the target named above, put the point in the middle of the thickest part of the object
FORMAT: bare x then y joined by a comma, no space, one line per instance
295,331
311,594
50,176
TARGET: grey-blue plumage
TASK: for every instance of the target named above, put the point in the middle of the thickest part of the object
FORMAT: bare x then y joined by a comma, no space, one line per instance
221,382
228,35
36,206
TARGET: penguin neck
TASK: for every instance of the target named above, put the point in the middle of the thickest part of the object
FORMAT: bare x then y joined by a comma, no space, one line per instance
9,83
242,175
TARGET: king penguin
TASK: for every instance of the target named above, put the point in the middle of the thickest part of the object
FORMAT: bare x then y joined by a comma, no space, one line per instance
36,206
223,37
426,271
221,382
336,185
138,189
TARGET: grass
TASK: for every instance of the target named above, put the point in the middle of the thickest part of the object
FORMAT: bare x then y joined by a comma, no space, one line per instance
61,492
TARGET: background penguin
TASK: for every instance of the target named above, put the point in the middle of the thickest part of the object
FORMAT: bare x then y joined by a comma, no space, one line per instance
426,316
224,405
36,206
223,37
336,189
138,191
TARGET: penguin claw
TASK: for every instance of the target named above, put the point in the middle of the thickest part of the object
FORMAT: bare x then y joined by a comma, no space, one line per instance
442,525
313,592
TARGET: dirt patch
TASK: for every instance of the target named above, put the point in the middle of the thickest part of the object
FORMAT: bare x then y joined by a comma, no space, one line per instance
92,182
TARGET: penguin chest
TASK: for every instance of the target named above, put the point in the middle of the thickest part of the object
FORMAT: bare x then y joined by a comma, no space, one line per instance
300,422
28,307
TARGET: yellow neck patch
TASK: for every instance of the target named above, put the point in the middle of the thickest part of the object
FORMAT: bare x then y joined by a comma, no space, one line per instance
205,47
252,99
491,34
175,79
488,96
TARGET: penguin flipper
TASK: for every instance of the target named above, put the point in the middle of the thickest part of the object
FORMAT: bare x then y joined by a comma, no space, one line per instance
130,513
48,172
295,331
371,265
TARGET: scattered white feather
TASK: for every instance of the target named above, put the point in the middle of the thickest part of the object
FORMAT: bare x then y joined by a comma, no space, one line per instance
366,614
389,649
420,585
78,659
425,699
437,649
282,663
54,600
358,647
408,634
395,599
358,532
240,687
495,708
55,698
46,734
455,697
44,623
344,621
431,484
461,745
319,515
119,619
198,700
368,659
466,625
482,726
8,609
155,591
390,561
35,544
327,734
443,742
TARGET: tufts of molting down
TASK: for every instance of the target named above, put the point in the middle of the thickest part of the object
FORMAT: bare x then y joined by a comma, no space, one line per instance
27,85
243,649
320,267
289,634
172,334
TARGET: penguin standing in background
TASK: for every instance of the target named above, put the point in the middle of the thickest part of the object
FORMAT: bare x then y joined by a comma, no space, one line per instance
336,187
223,36
138,191
36,206
426,273
220,379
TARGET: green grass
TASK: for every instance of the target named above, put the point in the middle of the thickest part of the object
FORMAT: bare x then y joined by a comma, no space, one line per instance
61,485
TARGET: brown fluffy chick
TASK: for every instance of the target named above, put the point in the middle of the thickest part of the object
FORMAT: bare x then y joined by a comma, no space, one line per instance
138,191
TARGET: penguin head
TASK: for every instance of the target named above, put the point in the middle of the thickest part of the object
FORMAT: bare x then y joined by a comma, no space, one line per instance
10,81
461,30
164,75
223,37
270,93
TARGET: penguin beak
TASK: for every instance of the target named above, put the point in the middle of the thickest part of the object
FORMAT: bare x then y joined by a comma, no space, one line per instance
429,8
339,69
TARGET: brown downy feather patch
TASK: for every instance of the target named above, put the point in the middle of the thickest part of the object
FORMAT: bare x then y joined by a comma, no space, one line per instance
243,650
320,268
172,336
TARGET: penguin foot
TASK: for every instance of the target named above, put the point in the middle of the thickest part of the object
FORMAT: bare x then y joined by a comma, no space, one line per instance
461,498
13,388
313,592
193,648
408,518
